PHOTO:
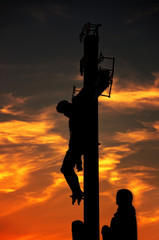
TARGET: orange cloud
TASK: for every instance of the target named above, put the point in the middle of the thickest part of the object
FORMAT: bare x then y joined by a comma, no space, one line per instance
110,158
139,179
133,178
134,96
48,192
28,147
13,105
144,134
148,217
135,136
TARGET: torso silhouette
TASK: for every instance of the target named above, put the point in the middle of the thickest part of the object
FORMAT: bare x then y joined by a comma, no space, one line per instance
123,225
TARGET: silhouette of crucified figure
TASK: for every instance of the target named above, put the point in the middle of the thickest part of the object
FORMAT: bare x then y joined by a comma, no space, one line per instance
73,155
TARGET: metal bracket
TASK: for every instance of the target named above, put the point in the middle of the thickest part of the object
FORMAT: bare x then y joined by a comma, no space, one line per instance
101,59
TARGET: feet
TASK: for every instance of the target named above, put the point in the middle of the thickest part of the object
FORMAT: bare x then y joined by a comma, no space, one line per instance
78,196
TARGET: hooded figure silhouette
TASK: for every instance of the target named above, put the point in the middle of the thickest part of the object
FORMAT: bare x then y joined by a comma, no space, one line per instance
123,225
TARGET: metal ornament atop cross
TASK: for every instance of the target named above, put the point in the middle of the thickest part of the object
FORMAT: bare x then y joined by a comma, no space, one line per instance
89,27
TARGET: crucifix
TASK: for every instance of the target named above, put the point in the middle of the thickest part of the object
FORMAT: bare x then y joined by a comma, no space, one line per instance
96,80
83,123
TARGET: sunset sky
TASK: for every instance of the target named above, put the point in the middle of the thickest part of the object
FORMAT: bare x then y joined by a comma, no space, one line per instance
39,64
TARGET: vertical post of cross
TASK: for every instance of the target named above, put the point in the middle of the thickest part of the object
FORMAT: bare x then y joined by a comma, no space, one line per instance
91,172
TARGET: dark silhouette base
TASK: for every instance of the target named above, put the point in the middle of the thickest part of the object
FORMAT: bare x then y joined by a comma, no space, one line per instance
77,230
123,225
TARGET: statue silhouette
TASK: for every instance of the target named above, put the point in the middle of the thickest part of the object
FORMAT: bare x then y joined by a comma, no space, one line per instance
77,230
73,155
123,225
